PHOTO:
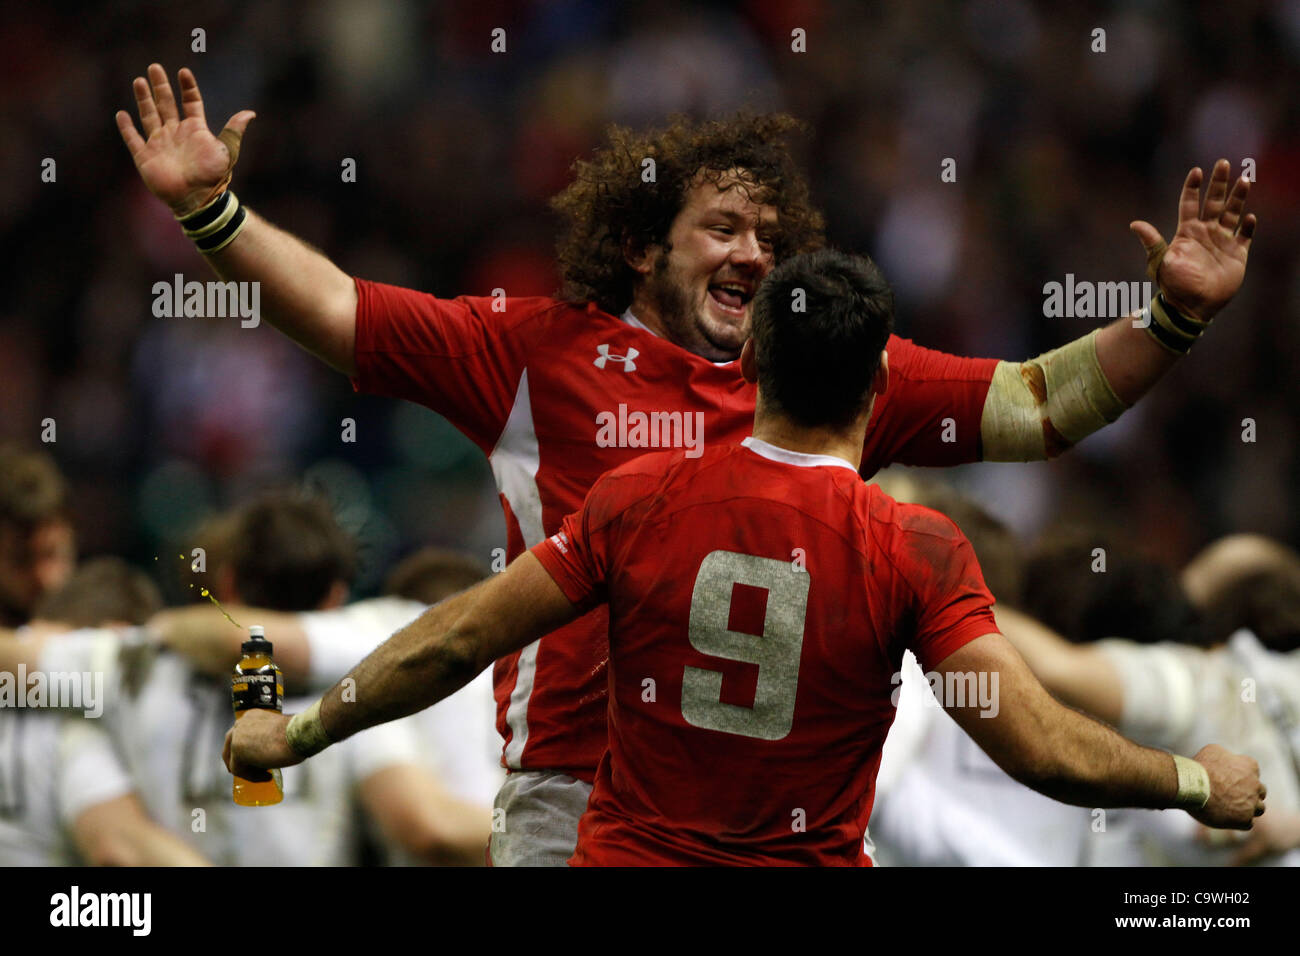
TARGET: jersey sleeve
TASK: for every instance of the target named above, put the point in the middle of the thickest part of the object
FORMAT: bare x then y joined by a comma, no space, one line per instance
570,559
461,357
1159,682
90,649
579,556
926,388
90,771
953,604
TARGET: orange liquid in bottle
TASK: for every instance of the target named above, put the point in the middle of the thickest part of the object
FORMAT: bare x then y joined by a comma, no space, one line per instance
257,665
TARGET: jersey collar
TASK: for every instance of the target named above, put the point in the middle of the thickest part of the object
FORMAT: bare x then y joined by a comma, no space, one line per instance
788,457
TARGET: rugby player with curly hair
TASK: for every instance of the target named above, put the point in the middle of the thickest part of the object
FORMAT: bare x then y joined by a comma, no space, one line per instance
640,351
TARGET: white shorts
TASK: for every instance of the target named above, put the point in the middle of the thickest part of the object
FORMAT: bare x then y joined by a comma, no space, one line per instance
540,825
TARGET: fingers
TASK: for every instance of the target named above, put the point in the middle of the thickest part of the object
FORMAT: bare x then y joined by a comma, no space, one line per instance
144,103
1217,194
1247,231
1189,203
225,748
134,142
162,94
191,101
1153,243
233,132
1235,205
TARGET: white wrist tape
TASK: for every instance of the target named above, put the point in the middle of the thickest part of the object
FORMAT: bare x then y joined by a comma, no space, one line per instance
1039,408
1193,784
305,734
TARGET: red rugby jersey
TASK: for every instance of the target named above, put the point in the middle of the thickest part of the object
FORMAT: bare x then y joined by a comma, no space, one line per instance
760,601
556,395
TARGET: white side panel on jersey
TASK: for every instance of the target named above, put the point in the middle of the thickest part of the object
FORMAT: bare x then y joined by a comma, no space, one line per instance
514,462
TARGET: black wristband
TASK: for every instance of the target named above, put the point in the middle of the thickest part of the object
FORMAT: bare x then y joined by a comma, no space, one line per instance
223,235
208,214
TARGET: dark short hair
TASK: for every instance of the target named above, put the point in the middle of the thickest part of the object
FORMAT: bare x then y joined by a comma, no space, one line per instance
433,574
32,489
1136,598
821,320
101,591
286,551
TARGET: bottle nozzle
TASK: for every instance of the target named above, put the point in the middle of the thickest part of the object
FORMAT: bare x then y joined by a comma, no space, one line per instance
257,642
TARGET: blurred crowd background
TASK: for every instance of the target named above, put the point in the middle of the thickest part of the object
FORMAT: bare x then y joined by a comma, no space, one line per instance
160,422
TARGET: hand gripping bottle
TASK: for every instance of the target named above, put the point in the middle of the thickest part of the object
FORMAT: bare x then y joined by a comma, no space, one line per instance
257,684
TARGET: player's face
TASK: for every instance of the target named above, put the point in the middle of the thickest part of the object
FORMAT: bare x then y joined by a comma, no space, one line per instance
702,290
33,563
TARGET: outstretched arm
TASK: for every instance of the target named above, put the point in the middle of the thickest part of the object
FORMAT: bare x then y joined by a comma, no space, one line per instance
1072,758
1041,407
1079,674
212,644
431,658
302,293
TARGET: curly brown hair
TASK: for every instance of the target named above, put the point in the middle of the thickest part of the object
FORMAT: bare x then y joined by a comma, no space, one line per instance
608,205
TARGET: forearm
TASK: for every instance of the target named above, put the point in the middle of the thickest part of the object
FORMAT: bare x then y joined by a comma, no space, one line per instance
418,666
1085,763
301,292
416,813
203,635
1050,748
1131,359
155,846
119,833
16,651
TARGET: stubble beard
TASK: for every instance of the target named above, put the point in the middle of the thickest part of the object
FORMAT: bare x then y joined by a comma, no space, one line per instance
681,318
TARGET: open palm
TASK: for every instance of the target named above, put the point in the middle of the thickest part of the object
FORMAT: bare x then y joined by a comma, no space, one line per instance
179,158
1204,266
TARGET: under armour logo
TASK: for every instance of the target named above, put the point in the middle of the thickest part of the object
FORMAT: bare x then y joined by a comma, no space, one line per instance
628,364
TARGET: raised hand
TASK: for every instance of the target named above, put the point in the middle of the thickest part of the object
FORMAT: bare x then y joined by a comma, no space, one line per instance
179,158
1204,265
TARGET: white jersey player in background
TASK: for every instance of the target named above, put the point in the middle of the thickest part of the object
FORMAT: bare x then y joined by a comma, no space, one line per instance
66,798
457,740
1244,690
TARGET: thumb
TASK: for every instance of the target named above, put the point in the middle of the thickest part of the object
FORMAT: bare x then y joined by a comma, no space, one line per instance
233,132
1153,243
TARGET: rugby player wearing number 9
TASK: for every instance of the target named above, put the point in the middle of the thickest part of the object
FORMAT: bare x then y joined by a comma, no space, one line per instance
760,598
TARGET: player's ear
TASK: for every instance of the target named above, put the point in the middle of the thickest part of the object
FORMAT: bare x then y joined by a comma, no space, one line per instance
638,256
748,361
881,381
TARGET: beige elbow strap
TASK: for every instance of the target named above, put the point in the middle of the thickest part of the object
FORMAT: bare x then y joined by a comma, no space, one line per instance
306,734
1193,784
1039,408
